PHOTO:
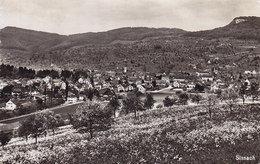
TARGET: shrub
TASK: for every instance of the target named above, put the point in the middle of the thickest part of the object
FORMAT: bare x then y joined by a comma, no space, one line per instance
167,102
183,98
196,98
5,137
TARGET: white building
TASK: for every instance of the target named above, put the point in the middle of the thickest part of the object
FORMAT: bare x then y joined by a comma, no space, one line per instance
72,100
207,78
10,105
3,84
190,86
120,88
141,88
176,84
129,88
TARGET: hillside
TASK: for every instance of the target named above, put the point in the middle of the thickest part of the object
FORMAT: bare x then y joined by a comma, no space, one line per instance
144,49
122,34
29,40
245,28
165,135
25,40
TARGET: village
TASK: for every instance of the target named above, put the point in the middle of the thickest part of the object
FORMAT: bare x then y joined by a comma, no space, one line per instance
23,95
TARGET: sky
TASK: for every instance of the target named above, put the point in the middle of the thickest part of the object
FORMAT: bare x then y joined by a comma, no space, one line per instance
79,16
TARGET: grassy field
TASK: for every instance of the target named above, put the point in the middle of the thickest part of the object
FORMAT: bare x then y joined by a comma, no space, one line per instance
63,110
165,135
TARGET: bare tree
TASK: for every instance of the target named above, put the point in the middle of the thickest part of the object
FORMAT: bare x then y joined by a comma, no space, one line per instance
254,90
242,92
114,104
230,97
209,104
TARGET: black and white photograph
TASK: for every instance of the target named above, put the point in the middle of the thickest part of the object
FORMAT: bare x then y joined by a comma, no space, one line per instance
129,81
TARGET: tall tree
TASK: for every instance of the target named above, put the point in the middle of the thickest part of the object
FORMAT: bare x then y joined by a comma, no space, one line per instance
25,129
149,101
67,89
7,90
53,121
254,90
91,118
210,103
242,92
114,105
132,104
230,97
66,74
36,124
89,93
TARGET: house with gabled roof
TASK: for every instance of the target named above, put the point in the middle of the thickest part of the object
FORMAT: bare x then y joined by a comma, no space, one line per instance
19,91
13,104
10,105
166,79
141,88
120,88
176,84
190,86
72,98
207,78
203,73
214,87
106,92
161,83
129,88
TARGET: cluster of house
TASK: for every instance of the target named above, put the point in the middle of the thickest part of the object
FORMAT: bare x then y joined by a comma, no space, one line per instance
108,83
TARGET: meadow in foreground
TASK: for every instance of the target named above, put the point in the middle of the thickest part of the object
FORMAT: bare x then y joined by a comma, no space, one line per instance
165,135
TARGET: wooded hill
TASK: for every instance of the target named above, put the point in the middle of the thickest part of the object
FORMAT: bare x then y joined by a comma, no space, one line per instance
144,49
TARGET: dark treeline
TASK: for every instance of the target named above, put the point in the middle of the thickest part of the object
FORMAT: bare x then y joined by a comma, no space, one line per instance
9,71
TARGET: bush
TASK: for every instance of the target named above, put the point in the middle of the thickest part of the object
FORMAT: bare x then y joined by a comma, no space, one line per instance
27,108
5,137
4,114
183,98
167,102
196,98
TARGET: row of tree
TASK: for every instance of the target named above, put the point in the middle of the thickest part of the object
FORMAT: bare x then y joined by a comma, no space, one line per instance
38,124
9,71
34,126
